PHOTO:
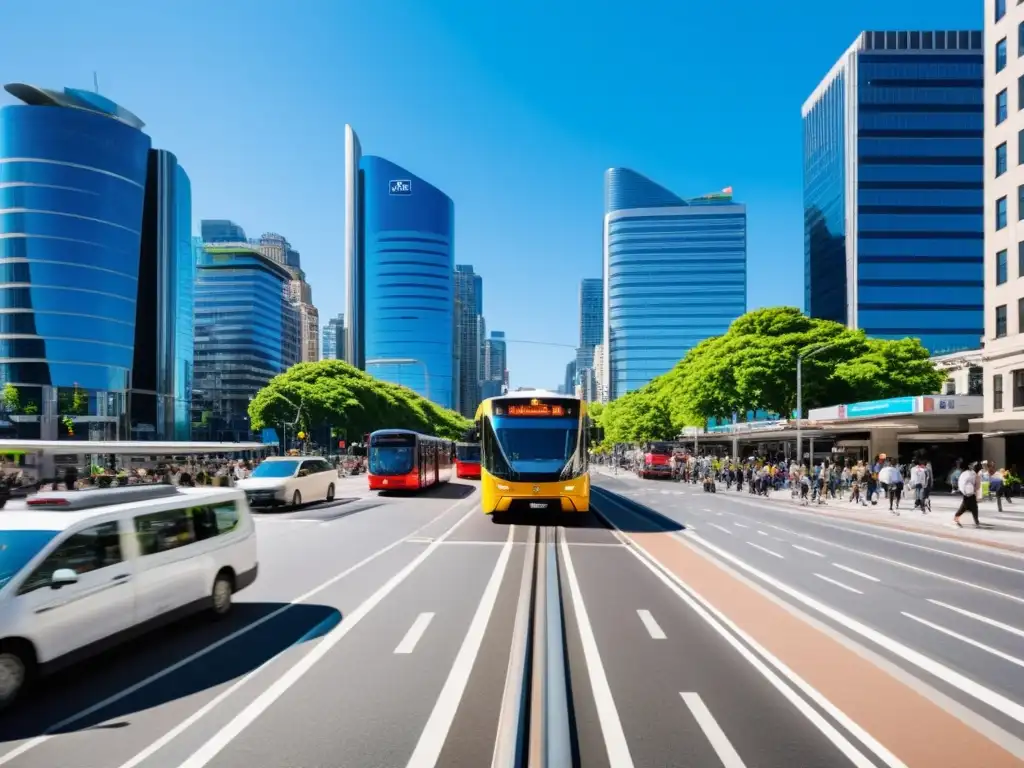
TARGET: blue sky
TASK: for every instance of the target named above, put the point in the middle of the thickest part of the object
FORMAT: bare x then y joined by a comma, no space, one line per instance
514,110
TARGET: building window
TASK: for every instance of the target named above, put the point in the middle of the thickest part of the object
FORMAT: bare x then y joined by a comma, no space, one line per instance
1000,9
1001,159
1001,321
1018,389
1001,213
997,392
1020,315
1001,55
1000,267
1020,259
1020,39
1000,106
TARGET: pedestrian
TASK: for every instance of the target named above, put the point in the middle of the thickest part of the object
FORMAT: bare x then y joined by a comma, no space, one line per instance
967,485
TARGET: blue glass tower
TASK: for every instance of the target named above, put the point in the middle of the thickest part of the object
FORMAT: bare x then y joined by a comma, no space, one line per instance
73,169
893,177
242,321
404,319
675,273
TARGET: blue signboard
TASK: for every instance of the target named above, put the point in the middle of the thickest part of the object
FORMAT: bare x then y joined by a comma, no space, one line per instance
890,407
400,187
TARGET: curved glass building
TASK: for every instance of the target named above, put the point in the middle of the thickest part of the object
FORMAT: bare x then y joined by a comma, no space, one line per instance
675,273
72,184
406,266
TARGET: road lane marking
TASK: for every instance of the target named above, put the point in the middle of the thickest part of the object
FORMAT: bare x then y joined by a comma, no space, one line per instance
979,617
766,550
607,714
808,551
720,622
708,510
213,746
965,639
838,583
985,695
435,732
653,629
741,525
721,528
855,528
856,573
125,692
763,533
716,736
419,626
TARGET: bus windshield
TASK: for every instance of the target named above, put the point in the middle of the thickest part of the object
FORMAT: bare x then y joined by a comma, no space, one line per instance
392,454
545,449
468,453
660,449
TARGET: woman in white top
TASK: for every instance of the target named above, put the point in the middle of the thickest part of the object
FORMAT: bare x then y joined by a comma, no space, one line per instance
967,484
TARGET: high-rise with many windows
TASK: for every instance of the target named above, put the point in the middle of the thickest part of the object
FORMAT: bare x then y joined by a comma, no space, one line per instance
591,332
333,347
399,274
1003,354
893,219
243,327
675,273
468,307
96,263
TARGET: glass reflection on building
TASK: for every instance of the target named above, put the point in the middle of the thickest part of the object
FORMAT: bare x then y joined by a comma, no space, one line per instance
407,264
73,171
675,271
243,323
893,140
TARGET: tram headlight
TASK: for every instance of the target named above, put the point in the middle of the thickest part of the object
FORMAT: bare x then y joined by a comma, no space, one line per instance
501,487
569,488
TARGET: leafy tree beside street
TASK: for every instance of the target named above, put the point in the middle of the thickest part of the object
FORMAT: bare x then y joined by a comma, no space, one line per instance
752,367
332,393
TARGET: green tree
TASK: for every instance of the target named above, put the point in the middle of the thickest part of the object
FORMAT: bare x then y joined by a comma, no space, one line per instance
11,399
753,367
334,394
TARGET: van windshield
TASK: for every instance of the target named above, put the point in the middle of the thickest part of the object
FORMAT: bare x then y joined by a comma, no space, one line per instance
275,469
17,548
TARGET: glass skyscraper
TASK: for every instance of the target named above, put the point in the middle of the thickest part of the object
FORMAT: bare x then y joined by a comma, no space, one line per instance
675,273
243,329
333,346
591,332
94,238
893,180
468,309
399,266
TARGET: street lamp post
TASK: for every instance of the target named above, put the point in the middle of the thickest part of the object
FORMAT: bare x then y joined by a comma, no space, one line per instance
298,415
810,352
405,361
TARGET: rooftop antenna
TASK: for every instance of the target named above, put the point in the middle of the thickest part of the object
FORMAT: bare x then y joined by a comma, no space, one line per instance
95,82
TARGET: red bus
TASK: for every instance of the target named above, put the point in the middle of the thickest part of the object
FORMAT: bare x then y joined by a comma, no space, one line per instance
403,460
467,460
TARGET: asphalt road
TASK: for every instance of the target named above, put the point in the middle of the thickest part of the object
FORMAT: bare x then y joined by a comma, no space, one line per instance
378,634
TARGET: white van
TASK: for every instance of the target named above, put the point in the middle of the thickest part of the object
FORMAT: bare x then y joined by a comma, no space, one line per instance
83,570
294,480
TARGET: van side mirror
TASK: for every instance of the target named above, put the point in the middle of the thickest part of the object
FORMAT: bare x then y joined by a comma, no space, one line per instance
63,577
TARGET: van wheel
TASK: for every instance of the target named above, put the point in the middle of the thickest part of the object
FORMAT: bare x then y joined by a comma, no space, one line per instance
223,589
330,492
15,670
296,499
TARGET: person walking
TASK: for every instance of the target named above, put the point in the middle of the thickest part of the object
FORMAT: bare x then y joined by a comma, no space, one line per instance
967,485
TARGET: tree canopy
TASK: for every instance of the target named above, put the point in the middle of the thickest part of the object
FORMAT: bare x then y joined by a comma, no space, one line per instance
350,401
752,367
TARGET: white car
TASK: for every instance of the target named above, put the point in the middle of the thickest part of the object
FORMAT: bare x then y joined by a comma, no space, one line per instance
83,570
293,480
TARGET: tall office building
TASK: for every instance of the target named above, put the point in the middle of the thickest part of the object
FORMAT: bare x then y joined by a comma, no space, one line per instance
1003,354
243,330
399,268
591,333
277,248
468,307
893,201
675,273
334,338
95,255
160,398
495,366
569,384
221,231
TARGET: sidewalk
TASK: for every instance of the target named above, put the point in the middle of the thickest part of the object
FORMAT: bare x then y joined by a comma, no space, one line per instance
1000,530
